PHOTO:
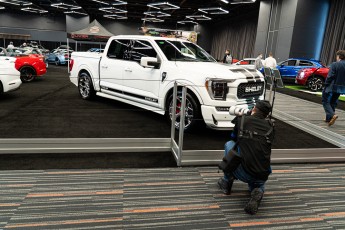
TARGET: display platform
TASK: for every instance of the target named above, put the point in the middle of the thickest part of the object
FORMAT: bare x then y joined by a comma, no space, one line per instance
297,197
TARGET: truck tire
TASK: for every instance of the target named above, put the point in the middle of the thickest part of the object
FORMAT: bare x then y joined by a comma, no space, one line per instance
193,115
85,86
27,74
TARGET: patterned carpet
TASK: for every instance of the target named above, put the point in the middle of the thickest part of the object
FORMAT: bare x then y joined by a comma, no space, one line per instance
297,197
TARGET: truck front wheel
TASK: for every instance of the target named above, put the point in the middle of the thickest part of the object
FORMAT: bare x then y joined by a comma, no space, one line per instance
85,86
193,115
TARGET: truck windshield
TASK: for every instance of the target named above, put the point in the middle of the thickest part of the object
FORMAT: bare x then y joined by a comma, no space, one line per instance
184,51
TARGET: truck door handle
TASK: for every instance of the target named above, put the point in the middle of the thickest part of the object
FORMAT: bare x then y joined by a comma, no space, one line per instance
128,70
104,66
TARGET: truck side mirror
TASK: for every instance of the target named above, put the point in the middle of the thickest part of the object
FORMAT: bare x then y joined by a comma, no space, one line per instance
150,62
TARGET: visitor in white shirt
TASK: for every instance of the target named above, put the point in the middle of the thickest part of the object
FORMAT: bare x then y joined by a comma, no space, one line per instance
270,62
10,46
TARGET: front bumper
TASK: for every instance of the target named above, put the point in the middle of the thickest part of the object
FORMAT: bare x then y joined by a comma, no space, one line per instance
220,120
12,85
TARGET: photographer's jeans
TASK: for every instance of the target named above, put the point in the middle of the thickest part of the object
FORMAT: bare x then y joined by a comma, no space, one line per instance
329,102
241,174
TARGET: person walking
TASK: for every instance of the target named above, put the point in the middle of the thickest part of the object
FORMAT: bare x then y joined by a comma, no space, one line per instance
258,62
270,62
227,57
334,87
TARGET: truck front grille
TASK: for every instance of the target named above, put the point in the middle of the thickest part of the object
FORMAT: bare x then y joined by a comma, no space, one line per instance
247,90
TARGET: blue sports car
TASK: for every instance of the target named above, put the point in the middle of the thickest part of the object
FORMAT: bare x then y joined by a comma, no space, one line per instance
289,69
59,57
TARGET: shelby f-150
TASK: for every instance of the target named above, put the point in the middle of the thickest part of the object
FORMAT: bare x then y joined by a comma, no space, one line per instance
141,71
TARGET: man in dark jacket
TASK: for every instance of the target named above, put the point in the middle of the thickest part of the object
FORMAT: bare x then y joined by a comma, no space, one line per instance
254,147
334,87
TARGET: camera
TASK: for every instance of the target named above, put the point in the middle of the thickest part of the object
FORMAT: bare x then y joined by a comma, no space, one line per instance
236,111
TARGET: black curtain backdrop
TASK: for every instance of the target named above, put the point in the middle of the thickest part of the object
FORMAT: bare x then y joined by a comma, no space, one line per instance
237,36
334,38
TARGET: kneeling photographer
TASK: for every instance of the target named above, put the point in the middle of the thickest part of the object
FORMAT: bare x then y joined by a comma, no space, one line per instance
248,154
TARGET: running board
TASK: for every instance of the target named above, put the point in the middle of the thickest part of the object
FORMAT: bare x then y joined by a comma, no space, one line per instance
134,103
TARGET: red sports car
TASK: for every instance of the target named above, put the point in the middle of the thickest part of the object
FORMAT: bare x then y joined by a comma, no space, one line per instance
313,78
29,63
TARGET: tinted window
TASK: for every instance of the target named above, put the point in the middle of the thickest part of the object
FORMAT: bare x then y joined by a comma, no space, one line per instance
139,49
118,49
305,63
289,63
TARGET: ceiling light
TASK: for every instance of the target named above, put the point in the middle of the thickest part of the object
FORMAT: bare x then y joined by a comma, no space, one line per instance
243,2
101,2
198,17
65,6
157,14
75,12
34,10
163,6
118,3
213,10
2,7
187,22
114,16
225,1
113,10
17,2
152,20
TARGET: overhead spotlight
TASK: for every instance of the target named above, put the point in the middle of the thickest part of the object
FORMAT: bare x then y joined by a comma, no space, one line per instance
157,14
113,10
213,10
152,20
163,6
225,1
75,12
65,6
118,3
187,22
114,16
198,17
34,10
101,2
17,2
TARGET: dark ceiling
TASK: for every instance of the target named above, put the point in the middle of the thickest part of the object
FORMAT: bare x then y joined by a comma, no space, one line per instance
136,8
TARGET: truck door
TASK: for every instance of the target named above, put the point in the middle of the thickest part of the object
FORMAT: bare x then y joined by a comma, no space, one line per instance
112,66
141,83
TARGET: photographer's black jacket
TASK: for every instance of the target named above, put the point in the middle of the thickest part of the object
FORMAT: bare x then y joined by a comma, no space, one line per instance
255,150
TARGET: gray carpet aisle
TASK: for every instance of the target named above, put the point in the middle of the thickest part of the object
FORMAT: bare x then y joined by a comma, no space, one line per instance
297,197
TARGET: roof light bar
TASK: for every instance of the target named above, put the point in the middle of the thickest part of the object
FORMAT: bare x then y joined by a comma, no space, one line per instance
113,10
101,2
163,6
34,10
118,3
65,6
213,10
198,17
75,12
187,22
157,14
17,2
243,2
225,1
152,20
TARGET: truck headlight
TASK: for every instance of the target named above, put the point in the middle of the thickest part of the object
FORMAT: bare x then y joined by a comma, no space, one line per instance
217,89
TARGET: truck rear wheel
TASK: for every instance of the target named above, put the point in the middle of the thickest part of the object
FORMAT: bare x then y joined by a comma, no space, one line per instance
85,86
193,115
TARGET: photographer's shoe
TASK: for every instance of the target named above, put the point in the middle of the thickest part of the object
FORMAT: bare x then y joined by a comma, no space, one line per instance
253,205
225,185
332,121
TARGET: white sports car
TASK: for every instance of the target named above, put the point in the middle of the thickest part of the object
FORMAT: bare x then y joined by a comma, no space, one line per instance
9,76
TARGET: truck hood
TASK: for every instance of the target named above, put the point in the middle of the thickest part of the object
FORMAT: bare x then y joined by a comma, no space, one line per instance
217,70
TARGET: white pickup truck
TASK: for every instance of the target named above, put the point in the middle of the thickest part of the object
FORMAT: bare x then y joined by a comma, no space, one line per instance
141,71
